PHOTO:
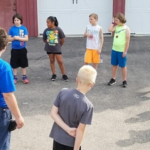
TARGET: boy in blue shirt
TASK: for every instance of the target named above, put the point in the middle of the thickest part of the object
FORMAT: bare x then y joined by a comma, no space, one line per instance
18,35
8,101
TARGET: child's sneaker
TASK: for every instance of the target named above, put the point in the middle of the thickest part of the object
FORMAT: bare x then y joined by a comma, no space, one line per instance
65,78
112,82
124,83
53,78
15,79
25,80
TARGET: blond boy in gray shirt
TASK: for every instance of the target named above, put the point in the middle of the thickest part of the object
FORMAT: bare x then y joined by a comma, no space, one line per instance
72,111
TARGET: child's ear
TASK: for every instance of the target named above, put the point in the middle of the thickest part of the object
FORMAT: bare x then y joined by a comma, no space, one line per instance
4,49
92,85
77,80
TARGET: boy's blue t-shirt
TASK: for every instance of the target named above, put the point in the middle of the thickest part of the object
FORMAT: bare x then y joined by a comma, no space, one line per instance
18,31
6,81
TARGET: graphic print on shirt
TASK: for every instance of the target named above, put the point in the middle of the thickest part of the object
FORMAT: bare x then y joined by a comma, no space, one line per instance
52,37
21,34
117,32
95,34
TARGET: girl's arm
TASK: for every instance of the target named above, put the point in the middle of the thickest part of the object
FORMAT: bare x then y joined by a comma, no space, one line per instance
112,28
58,120
62,41
127,42
25,39
101,40
10,38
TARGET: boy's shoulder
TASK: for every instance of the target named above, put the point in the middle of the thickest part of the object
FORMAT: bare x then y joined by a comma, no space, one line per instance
4,66
23,27
75,94
97,26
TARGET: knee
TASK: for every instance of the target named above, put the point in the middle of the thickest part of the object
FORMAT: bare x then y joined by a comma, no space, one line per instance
52,61
60,62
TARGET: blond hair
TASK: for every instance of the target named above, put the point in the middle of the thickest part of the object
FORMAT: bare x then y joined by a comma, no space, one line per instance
87,75
95,16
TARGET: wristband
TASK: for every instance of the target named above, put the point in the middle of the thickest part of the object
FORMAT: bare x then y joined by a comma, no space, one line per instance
113,23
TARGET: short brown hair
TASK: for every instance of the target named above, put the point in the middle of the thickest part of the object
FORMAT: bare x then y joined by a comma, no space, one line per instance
3,39
121,17
95,16
17,16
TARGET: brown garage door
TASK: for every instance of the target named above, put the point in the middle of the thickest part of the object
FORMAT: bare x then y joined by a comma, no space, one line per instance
7,10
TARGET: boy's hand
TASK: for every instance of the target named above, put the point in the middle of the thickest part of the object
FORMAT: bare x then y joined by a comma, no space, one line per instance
72,132
124,54
16,37
89,35
99,51
20,122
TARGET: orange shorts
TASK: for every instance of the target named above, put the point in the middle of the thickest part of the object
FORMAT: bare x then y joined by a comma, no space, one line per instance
92,56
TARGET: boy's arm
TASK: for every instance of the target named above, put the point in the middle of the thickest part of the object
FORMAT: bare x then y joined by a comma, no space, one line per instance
101,41
10,38
58,120
79,136
127,42
87,34
25,39
11,102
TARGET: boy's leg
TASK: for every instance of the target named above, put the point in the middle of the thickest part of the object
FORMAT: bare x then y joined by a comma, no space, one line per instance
88,57
15,71
52,62
14,60
24,77
95,65
4,133
60,63
24,72
58,146
95,58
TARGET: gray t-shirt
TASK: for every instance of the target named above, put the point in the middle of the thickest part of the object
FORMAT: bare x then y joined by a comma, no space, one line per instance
73,108
53,37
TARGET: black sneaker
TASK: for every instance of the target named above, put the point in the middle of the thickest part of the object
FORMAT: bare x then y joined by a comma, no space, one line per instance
65,78
53,78
112,82
124,83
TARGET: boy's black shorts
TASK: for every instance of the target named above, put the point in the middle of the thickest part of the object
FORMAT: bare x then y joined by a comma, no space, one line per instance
19,58
58,146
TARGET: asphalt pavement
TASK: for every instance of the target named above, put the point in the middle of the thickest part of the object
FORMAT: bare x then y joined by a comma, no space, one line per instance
121,115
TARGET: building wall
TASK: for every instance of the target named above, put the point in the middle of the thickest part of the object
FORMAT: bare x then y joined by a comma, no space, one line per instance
28,9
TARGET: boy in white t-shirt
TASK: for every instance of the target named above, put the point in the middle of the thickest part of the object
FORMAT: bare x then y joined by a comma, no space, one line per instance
95,39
